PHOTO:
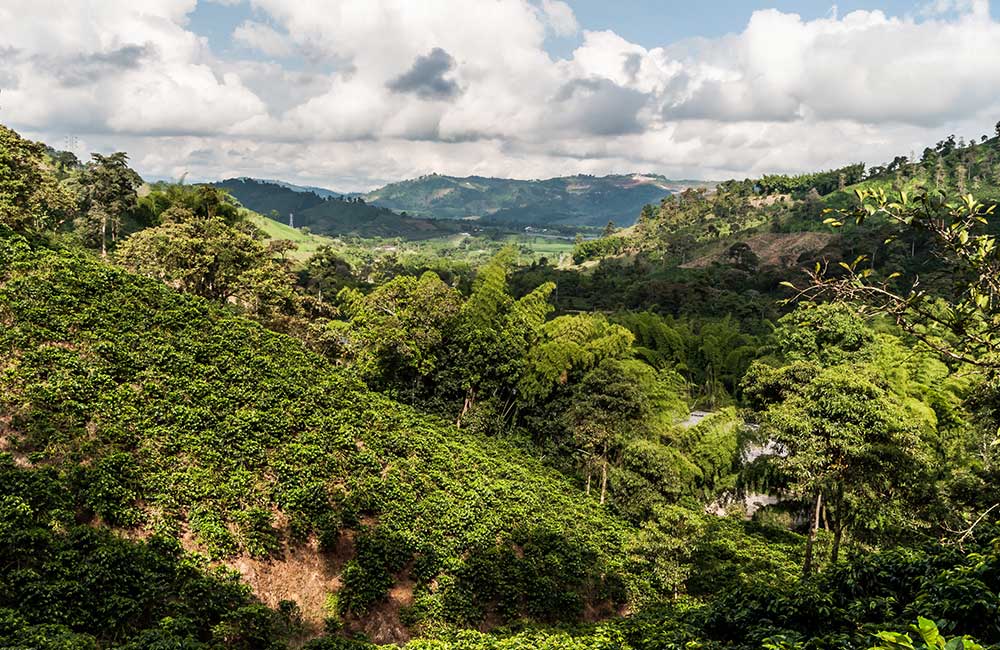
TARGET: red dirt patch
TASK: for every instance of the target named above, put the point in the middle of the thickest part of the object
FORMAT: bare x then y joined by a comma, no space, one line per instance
383,623
773,249
301,573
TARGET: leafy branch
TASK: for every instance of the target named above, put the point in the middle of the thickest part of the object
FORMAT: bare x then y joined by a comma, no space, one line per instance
962,323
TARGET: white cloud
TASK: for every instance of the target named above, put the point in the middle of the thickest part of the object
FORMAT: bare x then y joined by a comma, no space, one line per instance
559,16
864,67
395,88
119,66
265,38
935,8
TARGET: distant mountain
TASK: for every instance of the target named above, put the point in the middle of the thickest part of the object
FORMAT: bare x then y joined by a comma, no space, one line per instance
318,191
577,200
331,215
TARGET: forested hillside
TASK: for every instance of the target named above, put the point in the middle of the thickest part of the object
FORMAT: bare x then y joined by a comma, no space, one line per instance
330,215
698,227
692,436
570,200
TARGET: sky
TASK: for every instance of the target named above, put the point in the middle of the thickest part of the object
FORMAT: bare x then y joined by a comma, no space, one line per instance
352,94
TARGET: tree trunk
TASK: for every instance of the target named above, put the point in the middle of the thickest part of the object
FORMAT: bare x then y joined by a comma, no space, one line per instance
589,473
604,479
104,235
470,398
813,526
838,525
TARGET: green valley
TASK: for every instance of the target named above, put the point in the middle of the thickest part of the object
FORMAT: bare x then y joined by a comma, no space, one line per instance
598,410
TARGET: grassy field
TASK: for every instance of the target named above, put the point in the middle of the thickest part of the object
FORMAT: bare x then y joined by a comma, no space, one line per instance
546,246
307,243
475,249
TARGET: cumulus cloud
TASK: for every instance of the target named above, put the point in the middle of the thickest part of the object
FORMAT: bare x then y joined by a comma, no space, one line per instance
426,77
359,92
865,67
265,38
116,66
560,18
599,106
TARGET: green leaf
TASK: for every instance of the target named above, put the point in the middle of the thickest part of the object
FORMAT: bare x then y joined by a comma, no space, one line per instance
929,632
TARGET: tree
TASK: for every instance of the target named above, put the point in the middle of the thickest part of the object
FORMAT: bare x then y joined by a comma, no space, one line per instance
960,320
494,334
66,160
609,229
607,402
201,200
665,544
847,445
398,330
226,263
940,172
281,247
742,256
31,200
327,272
565,349
108,192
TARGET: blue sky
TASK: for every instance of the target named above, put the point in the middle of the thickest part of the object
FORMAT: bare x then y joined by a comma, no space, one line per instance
650,23
352,94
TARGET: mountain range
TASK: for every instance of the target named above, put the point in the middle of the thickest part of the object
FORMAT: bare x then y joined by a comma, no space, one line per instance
331,215
390,210
568,200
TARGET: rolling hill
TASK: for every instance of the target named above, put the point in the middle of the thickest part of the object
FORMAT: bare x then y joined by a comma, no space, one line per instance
569,200
329,215
158,414
773,215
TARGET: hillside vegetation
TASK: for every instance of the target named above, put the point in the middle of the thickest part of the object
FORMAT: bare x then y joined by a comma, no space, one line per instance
331,215
700,223
683,440
570,200
169,416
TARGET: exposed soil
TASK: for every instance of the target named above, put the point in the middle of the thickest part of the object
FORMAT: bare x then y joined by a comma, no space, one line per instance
773,249
383,623
302,573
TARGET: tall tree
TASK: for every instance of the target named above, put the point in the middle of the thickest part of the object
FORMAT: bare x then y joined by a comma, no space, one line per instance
495,332
108,192
397,332
847,445
208,257
607,403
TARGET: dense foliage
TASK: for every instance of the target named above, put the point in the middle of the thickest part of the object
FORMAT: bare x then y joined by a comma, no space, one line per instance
489,454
